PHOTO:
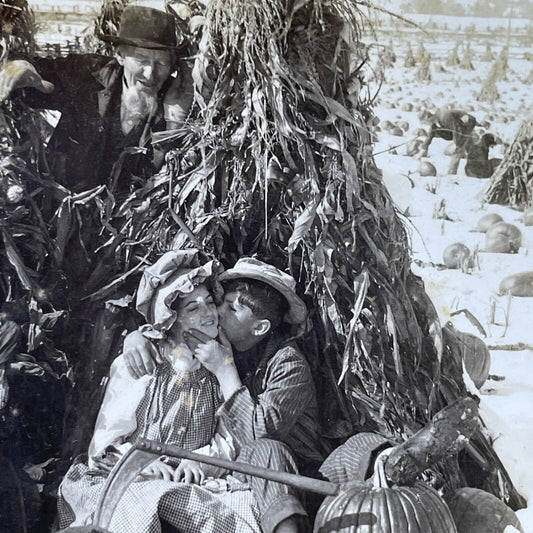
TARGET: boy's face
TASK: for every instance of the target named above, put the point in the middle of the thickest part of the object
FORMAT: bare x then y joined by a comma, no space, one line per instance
237,321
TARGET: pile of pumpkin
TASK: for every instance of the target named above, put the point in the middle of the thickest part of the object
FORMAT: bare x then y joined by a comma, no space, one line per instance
377,507
500,237
394,499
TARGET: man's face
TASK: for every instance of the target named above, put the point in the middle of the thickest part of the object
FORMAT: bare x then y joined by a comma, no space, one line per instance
237,321
145,70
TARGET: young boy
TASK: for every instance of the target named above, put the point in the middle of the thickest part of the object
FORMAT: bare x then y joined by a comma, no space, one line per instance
478,164
269,395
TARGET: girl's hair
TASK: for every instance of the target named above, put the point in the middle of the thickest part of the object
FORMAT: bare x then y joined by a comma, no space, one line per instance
213,288
264,301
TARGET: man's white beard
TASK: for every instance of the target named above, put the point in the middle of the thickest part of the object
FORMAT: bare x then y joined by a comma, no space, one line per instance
137,105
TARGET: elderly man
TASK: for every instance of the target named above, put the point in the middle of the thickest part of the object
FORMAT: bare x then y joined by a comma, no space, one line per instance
109,107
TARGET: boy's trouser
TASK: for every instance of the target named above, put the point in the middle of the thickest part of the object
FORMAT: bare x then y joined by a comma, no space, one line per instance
276,501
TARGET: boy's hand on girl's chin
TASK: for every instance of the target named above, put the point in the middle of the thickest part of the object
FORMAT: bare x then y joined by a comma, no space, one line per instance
217,357
194,337
213,354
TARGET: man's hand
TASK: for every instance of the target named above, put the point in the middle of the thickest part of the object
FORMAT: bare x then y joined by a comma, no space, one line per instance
178,98
189,472
18,74
217,357
140,355
159,470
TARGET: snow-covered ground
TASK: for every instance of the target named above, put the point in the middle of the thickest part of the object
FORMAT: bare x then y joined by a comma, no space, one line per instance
506,405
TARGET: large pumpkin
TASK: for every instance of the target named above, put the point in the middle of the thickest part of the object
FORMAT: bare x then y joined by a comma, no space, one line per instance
503,238
488,220
458,255
377,508
475,355
520,284
477,511
427,169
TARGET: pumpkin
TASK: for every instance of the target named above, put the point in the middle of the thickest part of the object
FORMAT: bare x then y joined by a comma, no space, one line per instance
475,355
458,255
488,220
403,124
377,508
413,147
427,169
477,511
503,237
396,131
520,284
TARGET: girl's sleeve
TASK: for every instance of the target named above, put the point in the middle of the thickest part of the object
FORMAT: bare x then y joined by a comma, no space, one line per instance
116,418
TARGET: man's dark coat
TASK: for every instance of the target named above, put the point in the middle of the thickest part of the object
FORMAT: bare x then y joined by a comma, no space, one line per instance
84,148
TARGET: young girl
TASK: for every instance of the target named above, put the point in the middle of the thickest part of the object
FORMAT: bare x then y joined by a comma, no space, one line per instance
176,405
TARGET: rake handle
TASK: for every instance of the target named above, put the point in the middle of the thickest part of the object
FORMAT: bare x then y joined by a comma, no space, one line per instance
300,482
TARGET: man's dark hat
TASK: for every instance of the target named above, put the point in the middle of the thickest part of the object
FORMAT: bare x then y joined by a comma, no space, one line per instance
145,27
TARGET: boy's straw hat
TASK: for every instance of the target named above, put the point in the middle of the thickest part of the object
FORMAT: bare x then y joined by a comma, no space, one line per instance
251,268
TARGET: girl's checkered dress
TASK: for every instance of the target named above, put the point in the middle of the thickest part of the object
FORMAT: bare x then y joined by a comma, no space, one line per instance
177,408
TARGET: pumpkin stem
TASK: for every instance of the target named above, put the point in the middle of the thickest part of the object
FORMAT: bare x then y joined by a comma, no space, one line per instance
380,478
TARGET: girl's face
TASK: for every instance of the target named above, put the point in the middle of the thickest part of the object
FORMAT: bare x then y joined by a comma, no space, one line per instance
196,310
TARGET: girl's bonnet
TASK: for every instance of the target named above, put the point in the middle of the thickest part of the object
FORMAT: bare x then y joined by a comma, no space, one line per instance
174,274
